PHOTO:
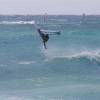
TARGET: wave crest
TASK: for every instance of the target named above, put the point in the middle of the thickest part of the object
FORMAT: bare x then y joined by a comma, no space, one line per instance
91,55
17,22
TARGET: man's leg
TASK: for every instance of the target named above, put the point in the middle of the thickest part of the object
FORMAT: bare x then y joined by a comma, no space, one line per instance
45,45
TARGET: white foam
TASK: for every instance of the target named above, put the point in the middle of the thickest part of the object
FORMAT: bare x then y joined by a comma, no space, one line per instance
89,54
8,97
25,62
17,22
5,97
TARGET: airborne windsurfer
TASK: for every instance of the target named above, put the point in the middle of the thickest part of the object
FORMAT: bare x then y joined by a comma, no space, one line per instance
45,36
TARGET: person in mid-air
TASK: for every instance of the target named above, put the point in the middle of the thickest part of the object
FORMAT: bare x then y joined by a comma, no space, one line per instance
45,36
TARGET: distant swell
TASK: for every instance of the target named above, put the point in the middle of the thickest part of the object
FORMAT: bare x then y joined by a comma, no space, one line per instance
17,22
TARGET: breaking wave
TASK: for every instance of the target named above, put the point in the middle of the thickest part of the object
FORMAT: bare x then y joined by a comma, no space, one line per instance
91,55
16,22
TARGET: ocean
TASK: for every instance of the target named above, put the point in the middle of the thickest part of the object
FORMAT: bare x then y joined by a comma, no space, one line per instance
69,69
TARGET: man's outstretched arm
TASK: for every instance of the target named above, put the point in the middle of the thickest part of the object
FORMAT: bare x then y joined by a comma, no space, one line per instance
50,32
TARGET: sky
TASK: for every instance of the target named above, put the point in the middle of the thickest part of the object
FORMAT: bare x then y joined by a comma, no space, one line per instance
66,7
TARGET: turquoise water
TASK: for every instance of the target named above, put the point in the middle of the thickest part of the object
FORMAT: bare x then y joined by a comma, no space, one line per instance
68,70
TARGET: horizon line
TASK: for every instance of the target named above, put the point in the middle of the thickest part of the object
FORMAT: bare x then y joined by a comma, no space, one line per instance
49,14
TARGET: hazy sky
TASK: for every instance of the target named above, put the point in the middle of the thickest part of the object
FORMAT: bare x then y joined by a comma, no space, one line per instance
49,6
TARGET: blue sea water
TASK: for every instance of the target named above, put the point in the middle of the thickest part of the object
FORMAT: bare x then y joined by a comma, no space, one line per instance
68,70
